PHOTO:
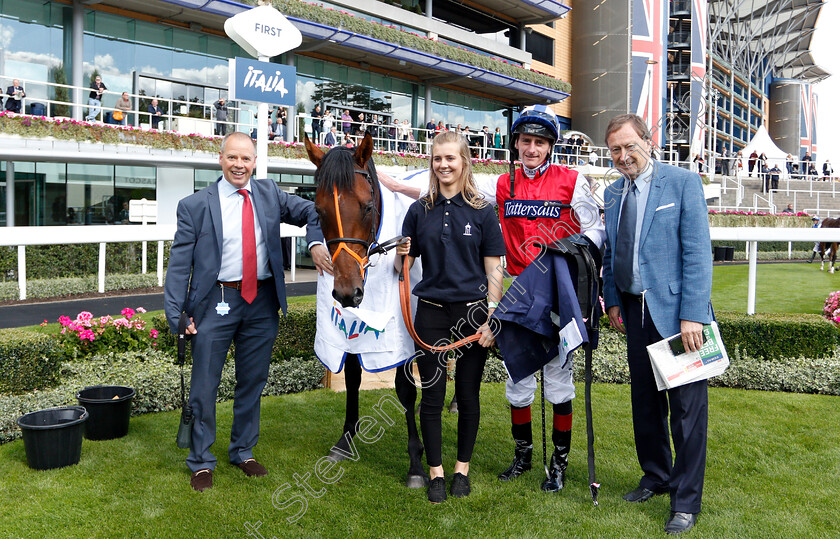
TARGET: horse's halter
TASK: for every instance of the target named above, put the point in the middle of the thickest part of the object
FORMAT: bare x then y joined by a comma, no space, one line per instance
369,244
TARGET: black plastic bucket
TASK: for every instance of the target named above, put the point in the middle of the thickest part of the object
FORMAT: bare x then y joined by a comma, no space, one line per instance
719,253
729,253
52,438
109,408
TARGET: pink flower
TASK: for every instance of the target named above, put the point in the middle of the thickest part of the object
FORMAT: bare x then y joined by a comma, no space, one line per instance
141,310
84,316
87,335
127,312
153,333
64,320
44,323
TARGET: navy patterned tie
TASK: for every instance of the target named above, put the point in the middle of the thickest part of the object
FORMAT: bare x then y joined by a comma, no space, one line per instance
623,270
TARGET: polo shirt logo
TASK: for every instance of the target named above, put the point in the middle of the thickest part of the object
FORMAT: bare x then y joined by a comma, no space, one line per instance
467,230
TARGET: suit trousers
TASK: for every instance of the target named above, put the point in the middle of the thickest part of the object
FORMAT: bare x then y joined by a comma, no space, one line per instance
252,329
689,405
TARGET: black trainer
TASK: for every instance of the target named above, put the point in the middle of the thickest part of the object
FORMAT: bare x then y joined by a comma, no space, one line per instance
437,490
460,485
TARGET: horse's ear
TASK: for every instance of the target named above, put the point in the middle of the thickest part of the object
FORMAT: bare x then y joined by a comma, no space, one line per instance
363,151
315,153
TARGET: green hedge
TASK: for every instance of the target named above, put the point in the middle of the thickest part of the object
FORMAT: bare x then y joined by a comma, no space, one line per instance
295,337
53,288
27,361
155,379
778,335
78,260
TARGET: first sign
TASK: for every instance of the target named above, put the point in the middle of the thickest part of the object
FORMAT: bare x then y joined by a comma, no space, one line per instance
263,31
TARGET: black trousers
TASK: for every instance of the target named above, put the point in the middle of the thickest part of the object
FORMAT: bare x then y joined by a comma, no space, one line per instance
683,475
435,324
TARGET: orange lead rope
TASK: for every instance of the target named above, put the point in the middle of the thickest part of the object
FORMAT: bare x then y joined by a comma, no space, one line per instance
405,305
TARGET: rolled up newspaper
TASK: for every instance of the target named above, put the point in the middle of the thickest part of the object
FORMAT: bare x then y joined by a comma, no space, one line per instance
673,366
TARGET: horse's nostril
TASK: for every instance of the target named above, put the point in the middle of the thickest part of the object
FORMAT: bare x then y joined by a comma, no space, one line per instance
358,296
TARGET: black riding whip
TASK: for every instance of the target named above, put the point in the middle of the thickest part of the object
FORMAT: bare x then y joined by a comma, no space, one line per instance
184,437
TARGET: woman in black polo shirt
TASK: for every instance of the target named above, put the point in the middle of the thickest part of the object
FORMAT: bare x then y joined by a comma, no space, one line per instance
457,234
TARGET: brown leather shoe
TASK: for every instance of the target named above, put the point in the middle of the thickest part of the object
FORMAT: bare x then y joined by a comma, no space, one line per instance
252,468
202,480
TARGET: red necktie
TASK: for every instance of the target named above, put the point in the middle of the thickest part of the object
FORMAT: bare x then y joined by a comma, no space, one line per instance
249,249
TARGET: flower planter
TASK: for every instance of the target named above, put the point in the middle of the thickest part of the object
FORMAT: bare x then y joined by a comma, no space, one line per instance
52,438
109,408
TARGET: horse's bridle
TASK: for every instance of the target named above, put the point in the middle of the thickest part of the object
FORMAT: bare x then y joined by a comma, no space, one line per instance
370,245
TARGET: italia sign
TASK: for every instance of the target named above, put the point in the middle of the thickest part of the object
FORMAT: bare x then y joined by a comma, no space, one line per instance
261,82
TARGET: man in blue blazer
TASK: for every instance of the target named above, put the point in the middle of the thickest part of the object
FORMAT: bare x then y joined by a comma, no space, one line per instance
226,273
657,283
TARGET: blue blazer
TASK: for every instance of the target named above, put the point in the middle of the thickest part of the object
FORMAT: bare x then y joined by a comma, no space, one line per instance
196,254
675,250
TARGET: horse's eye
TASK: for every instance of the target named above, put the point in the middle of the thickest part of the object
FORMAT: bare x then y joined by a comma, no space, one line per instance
368,209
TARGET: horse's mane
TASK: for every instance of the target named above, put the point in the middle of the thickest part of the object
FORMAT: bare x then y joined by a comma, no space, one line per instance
337,169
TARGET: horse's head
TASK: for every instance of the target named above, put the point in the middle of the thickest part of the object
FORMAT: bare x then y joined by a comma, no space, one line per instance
348,203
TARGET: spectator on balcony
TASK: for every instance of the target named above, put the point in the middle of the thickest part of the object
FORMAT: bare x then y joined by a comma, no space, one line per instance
812,171
775,173
751,163
276,130
393,133
404,130
346,122
439,128
328,121
827,170
221,111
332,137
15,93
789,164
97,88
155,114
123,107
806,160
789,208
497,143
317,116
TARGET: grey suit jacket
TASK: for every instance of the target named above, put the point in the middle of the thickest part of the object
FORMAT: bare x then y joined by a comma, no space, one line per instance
196,253
675,249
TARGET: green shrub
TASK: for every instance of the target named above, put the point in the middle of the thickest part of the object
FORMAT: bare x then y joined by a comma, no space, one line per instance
51,288
155,379
778,335
296,336
78,260
28,361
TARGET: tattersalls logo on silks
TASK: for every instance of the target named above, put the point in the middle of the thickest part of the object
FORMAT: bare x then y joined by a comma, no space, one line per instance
532,209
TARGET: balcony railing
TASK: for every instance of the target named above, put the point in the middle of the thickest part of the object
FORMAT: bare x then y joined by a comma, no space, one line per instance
679,40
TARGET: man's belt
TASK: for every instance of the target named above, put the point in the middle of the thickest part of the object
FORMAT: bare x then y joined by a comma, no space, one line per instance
238,284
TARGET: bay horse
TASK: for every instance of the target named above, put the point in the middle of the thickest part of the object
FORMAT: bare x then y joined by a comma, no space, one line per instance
349,203
828,222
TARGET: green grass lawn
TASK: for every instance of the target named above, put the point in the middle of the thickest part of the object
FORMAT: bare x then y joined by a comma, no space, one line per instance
773,471
788,288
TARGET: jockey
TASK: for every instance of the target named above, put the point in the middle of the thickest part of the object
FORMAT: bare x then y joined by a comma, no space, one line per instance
525,220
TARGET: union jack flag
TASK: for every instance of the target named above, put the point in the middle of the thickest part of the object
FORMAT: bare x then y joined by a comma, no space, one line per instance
808,120
698,75
650,19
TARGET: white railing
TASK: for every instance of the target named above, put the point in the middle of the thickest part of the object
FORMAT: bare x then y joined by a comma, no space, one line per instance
752,235
22,236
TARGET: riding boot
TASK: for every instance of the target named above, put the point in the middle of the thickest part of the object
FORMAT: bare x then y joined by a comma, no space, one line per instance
521,461
559,461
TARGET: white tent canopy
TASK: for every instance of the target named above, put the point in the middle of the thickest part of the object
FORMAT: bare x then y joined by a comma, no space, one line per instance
762,143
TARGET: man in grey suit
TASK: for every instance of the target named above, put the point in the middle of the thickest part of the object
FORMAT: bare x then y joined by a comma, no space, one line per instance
226,272
657,283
